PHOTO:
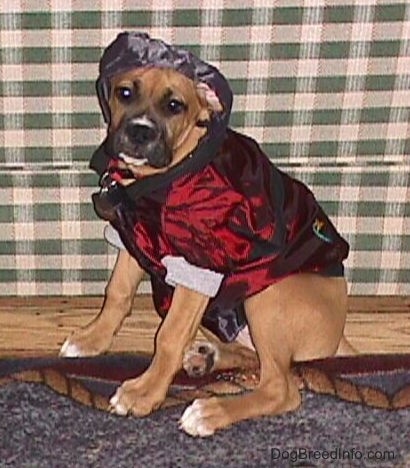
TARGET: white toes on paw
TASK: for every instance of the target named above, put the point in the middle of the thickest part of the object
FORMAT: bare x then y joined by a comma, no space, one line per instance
192,421
70,350
116,406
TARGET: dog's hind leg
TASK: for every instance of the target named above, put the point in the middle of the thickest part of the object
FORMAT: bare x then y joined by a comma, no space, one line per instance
300,318
276,392
203,357
96,337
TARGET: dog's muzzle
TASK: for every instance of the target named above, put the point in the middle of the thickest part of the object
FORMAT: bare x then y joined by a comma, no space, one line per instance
140,140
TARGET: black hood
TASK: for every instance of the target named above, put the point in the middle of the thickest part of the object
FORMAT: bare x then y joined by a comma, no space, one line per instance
132,50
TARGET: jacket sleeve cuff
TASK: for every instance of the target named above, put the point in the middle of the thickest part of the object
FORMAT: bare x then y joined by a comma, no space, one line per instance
201,280
112,237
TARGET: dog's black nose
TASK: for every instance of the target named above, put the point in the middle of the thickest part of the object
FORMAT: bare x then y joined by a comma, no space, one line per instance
140,133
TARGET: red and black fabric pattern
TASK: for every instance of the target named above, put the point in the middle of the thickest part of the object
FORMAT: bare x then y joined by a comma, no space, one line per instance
239,216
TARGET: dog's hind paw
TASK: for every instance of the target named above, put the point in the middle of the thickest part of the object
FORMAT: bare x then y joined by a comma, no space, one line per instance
192,421
116,406
200,359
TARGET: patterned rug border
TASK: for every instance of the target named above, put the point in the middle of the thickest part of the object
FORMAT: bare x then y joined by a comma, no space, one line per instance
85,380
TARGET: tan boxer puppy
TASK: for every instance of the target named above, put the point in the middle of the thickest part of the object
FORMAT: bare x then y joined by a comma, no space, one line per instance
154,125
162,107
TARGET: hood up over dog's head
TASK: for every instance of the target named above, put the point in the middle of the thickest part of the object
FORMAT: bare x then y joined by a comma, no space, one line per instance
131,50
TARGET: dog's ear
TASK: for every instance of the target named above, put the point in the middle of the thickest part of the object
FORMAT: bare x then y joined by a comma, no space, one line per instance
208,94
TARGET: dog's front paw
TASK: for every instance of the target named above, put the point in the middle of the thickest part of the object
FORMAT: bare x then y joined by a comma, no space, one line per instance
136,397
200,359
86,341
70,350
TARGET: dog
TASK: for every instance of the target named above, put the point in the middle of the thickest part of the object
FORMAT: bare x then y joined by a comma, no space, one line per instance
157,118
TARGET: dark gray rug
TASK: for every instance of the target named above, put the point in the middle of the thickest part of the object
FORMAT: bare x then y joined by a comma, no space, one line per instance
39,428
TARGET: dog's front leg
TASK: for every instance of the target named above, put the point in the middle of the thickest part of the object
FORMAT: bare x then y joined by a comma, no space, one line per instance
142,395
96,337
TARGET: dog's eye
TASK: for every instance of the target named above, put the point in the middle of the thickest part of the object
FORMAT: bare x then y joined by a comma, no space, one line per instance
124,94
175,106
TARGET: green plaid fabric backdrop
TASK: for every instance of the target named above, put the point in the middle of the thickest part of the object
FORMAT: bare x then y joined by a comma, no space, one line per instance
323,85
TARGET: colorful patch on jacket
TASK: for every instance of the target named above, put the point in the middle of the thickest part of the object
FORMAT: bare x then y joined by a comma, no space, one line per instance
317,227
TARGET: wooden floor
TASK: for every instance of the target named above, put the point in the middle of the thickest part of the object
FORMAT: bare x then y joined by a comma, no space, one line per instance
34,326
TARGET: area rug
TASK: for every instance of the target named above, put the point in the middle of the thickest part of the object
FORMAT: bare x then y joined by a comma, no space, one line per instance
355,411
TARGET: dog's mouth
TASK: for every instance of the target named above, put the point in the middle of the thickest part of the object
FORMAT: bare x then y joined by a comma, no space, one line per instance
155,156
133,160
140,142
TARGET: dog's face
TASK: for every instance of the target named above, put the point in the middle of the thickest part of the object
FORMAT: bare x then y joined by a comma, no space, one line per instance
155,117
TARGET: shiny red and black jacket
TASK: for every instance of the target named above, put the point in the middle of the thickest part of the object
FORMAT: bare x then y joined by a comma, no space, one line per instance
239,216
